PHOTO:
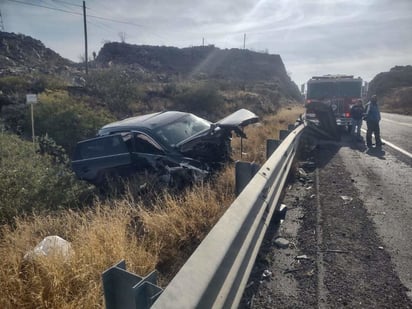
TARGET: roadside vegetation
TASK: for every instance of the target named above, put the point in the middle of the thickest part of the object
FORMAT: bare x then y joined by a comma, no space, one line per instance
394,90
156,229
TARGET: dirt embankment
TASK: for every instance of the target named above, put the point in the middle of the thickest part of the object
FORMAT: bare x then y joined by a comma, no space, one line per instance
335,258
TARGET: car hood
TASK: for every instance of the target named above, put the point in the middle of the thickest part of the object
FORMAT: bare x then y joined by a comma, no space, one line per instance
240,118
234,122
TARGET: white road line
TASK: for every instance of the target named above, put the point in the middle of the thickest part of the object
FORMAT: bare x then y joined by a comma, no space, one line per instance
397,122
394,146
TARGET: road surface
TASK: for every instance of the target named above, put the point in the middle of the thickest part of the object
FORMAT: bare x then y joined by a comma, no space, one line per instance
349,222
397,130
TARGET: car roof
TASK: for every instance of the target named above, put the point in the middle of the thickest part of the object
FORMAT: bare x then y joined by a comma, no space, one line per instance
149,121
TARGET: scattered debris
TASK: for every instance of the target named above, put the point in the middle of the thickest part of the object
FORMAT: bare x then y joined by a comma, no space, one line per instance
313,196
380,247
309,188
266,273
334,251
250,284
307,164
50,245
346,199
302,172
302,257
292,270
281,242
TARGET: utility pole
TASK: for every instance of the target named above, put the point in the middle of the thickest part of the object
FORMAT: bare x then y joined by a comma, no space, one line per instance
244,41
85,38
1,22
203,41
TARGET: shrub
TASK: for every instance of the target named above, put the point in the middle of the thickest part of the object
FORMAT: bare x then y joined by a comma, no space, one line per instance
116,88
201,99
33,182
65,120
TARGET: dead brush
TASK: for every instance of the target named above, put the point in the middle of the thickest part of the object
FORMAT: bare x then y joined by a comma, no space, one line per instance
161,236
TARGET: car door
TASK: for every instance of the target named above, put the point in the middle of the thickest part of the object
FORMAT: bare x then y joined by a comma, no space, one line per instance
149,155
95,157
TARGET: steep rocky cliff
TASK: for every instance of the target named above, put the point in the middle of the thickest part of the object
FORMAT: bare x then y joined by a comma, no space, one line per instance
201,61
394,89
23,54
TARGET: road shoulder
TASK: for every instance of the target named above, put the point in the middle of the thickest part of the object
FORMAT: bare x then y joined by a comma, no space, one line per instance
335,256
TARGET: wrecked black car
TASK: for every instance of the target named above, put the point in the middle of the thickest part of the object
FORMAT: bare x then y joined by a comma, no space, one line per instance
170,144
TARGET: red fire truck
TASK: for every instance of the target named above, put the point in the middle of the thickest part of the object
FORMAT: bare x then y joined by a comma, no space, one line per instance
339,92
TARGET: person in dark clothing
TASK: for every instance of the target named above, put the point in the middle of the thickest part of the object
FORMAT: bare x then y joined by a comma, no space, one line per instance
372,117
356,113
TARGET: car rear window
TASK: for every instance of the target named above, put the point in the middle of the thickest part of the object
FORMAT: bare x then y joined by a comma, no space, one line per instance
101,147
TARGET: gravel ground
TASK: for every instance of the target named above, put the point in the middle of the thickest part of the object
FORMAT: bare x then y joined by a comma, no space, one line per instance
336,257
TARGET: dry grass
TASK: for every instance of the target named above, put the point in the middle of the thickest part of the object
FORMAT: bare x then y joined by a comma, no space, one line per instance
254,147
161,237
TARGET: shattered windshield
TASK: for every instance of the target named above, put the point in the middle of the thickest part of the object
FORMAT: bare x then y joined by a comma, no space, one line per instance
181,129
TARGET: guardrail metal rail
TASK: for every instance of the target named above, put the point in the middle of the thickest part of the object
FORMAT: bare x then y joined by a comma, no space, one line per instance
216,273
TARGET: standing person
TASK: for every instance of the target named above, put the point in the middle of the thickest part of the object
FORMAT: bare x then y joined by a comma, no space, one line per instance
372,117
356,113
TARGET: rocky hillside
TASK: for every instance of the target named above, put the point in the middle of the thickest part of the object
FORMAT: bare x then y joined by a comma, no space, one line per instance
23,54
201,62
127,80
394,89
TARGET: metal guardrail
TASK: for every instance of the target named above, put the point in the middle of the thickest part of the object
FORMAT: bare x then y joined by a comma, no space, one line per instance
216,274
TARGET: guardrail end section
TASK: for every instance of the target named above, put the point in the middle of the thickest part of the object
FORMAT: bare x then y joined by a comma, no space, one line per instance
244,172
123,289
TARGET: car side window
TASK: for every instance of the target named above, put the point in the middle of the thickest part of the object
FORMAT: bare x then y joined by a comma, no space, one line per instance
100,147
145,144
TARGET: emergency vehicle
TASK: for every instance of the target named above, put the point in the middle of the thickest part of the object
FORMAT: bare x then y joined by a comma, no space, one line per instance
339,92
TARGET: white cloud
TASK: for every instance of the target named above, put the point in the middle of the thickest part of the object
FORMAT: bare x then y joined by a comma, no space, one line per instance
312,36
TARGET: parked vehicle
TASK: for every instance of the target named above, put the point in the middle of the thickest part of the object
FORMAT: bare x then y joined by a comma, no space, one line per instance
339,92
168,143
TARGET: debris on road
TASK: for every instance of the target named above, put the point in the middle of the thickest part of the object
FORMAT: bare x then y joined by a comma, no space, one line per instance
281,243
302,257
266,274
346,199
334,251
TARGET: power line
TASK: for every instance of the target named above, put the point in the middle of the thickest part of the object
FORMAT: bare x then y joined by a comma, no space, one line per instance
80,14
115,21
46,7
68,3
76,13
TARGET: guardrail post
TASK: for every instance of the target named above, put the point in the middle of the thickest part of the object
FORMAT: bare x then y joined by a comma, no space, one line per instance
244,172
271,145
283,134
123,289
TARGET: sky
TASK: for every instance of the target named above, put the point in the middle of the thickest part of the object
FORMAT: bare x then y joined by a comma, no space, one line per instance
313,37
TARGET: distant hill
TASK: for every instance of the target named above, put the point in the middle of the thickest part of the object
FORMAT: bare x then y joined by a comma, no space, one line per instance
23,54
394,89
201,61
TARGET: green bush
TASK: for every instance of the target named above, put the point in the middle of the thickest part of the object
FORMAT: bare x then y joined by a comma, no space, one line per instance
24,84
14,84
116,88
65,120
31,182
201,99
